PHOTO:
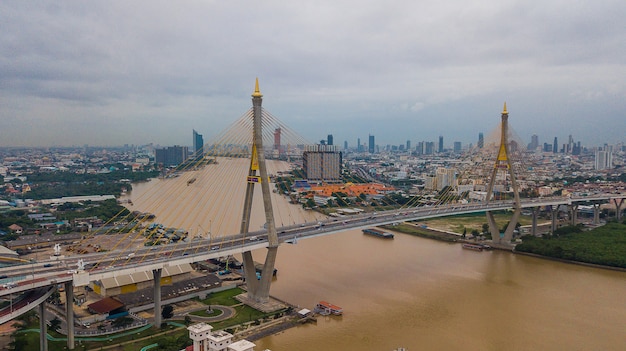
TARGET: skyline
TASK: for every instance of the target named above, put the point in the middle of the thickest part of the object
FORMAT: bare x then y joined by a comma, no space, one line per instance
102,73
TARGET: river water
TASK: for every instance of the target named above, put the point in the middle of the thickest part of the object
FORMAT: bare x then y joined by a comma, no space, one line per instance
409,292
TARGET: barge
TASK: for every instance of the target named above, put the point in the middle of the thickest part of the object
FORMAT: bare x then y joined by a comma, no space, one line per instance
379,233
475,247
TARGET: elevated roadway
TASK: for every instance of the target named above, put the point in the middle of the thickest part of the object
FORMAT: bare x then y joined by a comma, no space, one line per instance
117,263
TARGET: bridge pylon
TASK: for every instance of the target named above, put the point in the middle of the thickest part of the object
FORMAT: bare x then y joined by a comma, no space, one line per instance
259,289
504,166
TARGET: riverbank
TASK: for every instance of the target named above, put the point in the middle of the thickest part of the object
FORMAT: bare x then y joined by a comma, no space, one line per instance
442,235
424,232
585,264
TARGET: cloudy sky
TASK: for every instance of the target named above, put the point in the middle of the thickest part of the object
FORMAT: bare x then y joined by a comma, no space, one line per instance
135,72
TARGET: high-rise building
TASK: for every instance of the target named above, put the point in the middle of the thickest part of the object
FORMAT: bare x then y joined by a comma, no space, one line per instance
457,147
408,145
329,139
322,163
420,148
570,144
277,133
481,140
547,147
345,145
172,155
534,142
440,149
445,177
604,158
371,144
555,146
198,143
429,147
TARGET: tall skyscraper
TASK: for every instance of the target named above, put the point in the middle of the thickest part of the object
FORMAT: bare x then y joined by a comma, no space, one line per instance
322,163
408,145
570,144
604,158
534,142
172,155
371,144
457,147
345,145
429,147
329,139
277,133
198,143
555,146
481,140
440,149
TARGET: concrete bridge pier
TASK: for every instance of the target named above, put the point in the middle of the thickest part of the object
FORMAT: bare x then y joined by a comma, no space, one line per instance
535,214
69,313
157,297
43,330
618,208
573,211
596,213
249,271
555,218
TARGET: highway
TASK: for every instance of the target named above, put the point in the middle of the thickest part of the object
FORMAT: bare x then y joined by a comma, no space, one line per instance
17,279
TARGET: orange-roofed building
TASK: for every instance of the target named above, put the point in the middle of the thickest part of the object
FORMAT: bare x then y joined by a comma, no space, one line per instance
351,189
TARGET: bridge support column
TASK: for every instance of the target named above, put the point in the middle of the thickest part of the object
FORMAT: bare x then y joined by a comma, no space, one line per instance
258,291
493,227
555,218
43,330
535,214
573,211
504,165
157,297
69,313
249,271
267,274
618,208
596,213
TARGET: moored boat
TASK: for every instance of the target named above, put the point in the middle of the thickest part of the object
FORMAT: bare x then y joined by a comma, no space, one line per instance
377,232
475,247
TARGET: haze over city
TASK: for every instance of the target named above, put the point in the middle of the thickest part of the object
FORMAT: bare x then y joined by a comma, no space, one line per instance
112,73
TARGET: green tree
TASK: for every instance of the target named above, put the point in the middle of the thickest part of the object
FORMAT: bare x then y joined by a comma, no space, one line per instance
122,322
167,311
55,324
485,228
310,203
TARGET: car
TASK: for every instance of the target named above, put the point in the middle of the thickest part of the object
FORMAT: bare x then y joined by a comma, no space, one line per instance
215,248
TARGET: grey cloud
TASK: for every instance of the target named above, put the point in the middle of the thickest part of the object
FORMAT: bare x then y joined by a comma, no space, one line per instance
333,62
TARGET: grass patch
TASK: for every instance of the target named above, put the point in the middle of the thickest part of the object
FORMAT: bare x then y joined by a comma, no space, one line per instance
422,232
204,313
470,222
224,298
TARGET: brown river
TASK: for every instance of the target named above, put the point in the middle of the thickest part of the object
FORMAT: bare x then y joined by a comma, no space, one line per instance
407,292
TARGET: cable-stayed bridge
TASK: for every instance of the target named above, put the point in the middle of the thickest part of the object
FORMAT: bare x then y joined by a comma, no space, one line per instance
136,250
